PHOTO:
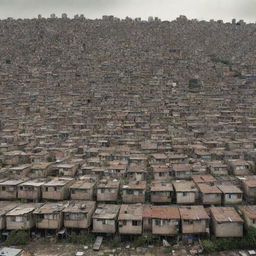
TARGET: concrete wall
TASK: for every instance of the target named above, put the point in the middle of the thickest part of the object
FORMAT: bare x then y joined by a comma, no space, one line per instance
248,222
34,194
107,195
10,192
133,198
99,227
129,228
189,198
194,226
60,194
28,222
209,199
161,197
55,223
82,194
227,229
164,176
250,193
81,223
233,200
166,227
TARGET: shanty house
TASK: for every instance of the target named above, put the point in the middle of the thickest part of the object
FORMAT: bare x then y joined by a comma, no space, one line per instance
108,190
231,194
194,220
249,214
9,188
105,218
186,191
21,217
57,189
209,194
83,190
161,192
78,214
226,222
134,192
182,171
50,215
130,219
5,207
161,220
31,190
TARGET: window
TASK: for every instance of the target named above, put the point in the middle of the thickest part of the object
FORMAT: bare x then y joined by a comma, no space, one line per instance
157,222
48,216
254,221
108,222
136,223
188,222
3,188
19,219
184,193
46,189
21,188
210,195
129,192
229,196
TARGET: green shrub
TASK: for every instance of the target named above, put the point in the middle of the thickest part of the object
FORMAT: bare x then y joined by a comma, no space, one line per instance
140,241
224,244
193,83
116,242
219,60
209,246
167,250
51,158
20,237
80,238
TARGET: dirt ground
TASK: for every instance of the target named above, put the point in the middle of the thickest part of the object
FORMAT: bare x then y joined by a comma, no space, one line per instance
49,247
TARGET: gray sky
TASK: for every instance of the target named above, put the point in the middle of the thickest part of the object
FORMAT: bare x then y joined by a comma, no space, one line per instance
164,9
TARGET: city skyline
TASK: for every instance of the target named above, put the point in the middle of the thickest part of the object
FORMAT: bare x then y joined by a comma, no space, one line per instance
164,9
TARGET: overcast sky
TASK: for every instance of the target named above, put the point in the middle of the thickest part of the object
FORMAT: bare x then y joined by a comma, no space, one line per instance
164,9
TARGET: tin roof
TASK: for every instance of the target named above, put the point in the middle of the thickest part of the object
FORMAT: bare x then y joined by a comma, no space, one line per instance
225,214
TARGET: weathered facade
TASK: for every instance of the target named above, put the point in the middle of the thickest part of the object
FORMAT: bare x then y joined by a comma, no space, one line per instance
105,218
226,222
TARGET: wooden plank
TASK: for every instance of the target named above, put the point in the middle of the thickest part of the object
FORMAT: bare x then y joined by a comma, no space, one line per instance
97,243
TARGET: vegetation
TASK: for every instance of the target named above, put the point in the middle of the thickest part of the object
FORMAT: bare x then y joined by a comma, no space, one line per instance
238,74
116,242
167,250
193,84
224,244
20,237
51,158
219,60
80,238
144,240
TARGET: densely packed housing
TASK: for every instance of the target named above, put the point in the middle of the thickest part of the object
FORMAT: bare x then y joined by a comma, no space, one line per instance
128,126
